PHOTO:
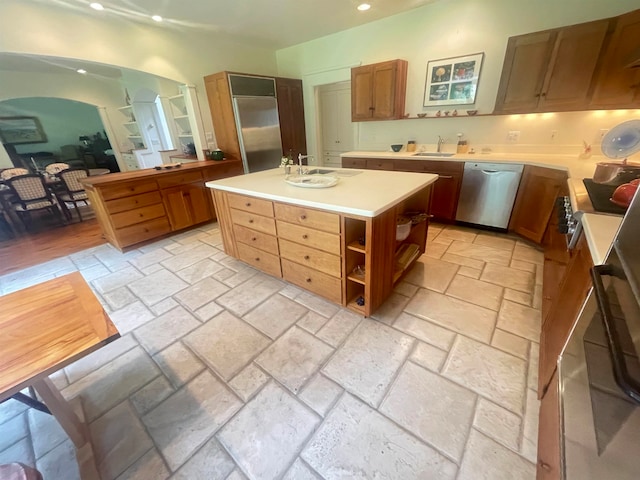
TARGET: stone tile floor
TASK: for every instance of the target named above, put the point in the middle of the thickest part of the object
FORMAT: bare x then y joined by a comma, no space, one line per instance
223,372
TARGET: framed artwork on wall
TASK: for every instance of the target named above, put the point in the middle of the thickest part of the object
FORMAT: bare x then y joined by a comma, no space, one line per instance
452,81
18,130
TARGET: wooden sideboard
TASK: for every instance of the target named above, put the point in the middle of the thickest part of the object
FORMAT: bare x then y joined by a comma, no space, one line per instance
134,207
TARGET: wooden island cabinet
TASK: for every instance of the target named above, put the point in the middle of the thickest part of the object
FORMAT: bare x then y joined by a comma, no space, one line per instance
134,207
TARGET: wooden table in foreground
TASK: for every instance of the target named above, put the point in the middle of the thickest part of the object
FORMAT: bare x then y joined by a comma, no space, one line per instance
45,328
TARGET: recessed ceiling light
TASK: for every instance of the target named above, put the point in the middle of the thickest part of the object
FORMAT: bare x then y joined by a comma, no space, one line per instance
363,7
157,18
81,71
96,6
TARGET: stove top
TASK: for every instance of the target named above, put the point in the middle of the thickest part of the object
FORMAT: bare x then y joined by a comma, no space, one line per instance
599,195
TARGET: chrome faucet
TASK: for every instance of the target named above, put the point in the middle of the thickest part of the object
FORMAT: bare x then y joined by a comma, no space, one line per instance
440,142
300,158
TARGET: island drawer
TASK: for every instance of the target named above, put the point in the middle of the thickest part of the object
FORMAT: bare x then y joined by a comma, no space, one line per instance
260,259
325,221
254,222
143,231
109,192
310,257
317,282
179,178
250,204
128,203
329,242
137,215
256,239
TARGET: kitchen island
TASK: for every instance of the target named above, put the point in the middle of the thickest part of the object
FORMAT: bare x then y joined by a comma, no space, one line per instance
339,242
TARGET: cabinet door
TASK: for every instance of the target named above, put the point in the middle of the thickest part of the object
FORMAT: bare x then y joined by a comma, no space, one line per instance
575,55
291,115
564,311
618,86
186,205
224,124
523,72
362,93
539,188
548,464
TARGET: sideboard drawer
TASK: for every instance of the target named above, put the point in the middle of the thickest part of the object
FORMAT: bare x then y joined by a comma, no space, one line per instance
260,259
253,221
326,221
127,189
141,232
256,239
320,283
250,204
136,201
137,215
329,242
310,257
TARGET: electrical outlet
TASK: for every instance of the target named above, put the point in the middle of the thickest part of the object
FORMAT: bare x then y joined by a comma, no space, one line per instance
513,136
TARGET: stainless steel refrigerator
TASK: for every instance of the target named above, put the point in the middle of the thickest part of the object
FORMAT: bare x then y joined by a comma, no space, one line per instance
255,109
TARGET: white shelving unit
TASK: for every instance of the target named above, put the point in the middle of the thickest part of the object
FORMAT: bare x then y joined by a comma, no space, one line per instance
186,115
132,127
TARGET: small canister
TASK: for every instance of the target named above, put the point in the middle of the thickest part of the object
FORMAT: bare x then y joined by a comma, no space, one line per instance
411,146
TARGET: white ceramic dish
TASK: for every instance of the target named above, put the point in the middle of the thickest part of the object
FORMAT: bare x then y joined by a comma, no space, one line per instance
311,181
622,140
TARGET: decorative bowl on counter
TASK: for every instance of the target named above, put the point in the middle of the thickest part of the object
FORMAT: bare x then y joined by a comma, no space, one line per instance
397,147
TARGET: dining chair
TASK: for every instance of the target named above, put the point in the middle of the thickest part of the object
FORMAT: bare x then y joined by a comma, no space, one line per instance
55,168
72,191
8,173
31,194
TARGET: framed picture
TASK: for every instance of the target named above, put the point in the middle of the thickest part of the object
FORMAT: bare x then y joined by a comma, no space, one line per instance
452,81
16,130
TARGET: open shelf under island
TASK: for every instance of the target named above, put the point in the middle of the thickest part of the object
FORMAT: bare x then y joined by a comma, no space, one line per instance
337,242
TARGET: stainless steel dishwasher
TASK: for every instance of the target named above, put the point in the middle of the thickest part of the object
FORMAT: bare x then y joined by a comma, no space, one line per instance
488,192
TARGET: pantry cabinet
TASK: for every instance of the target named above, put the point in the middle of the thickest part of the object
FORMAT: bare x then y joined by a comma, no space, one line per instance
378,91
551,70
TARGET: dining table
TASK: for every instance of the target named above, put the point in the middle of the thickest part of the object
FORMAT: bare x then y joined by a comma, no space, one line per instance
44,328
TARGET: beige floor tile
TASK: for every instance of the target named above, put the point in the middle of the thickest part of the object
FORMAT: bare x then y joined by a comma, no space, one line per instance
496,375
431,273
279,426
157,334
508,277
371,445
520,320
119,439
249,294
275,315
457,315
485,459
428,356
495,241
425,331
339,327
185,421
212,459
433,408
498,423
510,343
226,344
149,466
178,364
294,358
157,286
477,292
201,293
320,394
367,362
483,253
248,381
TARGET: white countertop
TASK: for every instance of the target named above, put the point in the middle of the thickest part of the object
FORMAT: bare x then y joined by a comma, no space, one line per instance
367,194
599,231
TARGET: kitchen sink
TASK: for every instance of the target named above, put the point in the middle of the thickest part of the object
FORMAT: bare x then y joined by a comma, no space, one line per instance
433,154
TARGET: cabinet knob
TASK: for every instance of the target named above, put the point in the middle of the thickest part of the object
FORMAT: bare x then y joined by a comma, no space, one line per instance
308,280
306,257
305,236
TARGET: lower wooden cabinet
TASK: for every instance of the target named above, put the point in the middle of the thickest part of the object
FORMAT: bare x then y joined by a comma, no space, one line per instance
548,462
535,201
187,205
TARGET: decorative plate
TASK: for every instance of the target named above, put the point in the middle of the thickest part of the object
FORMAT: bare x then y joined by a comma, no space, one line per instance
311,181
622,140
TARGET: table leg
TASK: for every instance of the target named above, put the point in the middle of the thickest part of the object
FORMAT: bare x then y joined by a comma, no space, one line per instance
73,425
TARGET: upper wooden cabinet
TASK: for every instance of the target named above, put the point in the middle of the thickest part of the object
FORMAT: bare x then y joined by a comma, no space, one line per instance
551,70
291,113
378,91
617,84
535,202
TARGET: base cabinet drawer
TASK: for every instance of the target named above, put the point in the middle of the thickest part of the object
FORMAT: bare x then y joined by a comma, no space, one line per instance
141,232
253,221
137,215
329,242
320,283
310,257
256,239
260,259
325,221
